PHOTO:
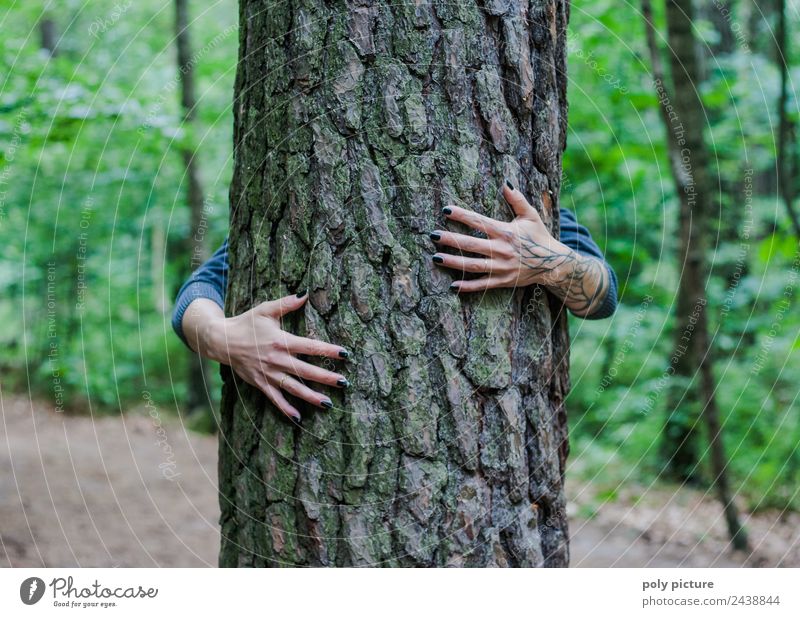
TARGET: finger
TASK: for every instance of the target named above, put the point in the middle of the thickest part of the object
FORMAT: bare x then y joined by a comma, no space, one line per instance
274,394
489,226
464,242
518,203
300,390
310,347
280,307
468,264
308,371
481,284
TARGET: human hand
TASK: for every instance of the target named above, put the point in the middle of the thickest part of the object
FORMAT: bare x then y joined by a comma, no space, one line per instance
255,346
516,254
520,253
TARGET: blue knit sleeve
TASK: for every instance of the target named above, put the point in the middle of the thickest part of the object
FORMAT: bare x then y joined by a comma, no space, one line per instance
208,281
578,238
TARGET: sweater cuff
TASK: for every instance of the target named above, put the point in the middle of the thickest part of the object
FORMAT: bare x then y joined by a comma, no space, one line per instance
192,292
609,305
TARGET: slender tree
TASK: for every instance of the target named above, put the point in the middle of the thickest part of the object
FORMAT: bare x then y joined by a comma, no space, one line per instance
683,116
718,13
787,158
194,246
679,442
48,34
355,123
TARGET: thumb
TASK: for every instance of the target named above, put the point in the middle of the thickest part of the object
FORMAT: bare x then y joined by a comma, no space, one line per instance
518,203
278,308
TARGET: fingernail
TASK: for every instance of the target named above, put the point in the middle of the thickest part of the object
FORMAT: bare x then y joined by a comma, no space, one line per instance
509,185
343,383
344,353
447,210
435,236
296,420
300,294
438,259
454,287
327,404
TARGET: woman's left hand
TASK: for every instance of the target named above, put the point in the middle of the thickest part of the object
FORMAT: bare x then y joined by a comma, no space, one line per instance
516,254
522,253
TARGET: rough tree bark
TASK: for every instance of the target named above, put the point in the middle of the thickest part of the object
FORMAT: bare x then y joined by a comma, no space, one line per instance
194,246
684,119
355,123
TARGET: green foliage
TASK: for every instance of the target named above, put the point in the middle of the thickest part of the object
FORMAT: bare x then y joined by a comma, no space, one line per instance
92,221
617,178
93,216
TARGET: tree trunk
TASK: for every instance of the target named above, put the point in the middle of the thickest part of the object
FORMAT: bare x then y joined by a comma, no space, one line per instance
786,149
684,123
48,35
720,13
679,443
198,370
355,123
760,19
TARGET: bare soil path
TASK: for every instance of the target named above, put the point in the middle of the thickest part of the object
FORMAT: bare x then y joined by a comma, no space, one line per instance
140,490
78,491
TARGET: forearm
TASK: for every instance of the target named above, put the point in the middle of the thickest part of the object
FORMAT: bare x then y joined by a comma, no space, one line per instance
203,325
581,281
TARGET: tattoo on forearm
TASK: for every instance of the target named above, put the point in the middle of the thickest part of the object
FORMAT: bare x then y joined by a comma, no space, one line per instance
581,282
585,286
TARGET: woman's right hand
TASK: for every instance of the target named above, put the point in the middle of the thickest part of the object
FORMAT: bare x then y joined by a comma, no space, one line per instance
260,352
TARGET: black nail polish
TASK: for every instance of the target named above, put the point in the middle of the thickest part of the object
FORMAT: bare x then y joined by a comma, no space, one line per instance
447,210
327,404
454,287
509,185
296,421
300,294
438,259
343,383
344,353
435,236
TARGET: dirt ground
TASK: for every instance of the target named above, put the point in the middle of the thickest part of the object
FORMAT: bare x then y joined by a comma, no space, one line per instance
140,490
77,491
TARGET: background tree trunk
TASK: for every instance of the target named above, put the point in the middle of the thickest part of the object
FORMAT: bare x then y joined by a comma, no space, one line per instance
679,443
718,13
355,123
198,370
787,158
48,35
684,120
